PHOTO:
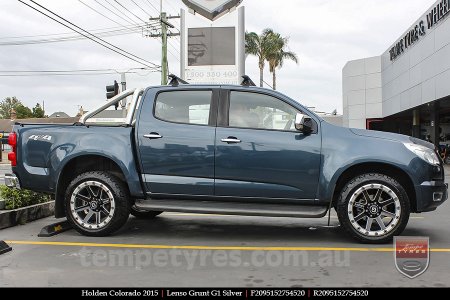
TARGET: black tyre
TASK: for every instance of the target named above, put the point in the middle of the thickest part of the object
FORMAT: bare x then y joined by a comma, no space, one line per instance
144,214
373,208
97,203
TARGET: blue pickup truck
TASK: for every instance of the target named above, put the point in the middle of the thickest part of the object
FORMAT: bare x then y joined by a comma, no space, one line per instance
220,149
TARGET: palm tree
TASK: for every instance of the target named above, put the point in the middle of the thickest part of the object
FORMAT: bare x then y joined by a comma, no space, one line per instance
260,46
278,55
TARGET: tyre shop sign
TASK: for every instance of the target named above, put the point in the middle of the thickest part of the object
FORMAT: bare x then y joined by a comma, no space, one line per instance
433,17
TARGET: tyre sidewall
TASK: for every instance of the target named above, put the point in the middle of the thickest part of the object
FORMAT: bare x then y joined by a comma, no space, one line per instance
353,186
120,196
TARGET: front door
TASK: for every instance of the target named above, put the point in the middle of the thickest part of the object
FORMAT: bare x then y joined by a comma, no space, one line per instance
176,135
261,155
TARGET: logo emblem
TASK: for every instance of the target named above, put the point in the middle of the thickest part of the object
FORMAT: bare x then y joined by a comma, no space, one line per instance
412,255
211,9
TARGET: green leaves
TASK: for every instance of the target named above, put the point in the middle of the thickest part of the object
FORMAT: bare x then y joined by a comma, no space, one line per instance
22,111
268,47
20,198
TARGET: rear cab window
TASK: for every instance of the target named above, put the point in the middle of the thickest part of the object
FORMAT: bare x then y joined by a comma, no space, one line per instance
184,107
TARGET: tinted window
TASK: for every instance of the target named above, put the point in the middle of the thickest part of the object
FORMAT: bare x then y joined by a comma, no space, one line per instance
190,107
252,110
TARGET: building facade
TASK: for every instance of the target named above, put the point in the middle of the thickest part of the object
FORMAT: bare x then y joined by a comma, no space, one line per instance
407,89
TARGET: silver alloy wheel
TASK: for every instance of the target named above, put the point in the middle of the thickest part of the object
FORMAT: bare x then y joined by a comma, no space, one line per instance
92,205
374,210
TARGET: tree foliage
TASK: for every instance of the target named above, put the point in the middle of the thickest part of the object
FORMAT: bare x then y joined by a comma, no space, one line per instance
22,111
268,47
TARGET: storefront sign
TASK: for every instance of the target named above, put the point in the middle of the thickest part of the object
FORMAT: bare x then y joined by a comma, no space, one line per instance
436,14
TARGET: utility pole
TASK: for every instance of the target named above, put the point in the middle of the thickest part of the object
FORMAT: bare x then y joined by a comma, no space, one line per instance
164,62
164,35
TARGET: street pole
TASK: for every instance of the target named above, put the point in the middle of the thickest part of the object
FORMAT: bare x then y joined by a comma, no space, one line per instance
164,62
123,80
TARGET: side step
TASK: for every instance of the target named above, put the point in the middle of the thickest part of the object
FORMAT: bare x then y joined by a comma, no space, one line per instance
234,208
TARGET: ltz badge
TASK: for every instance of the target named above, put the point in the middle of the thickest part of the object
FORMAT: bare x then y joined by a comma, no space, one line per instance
211,9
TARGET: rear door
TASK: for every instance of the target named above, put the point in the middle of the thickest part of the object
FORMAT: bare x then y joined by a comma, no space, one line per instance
176,135
260,154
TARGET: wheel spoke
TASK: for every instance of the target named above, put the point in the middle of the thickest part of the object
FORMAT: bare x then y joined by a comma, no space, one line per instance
91,191
387,202
81,208
369,224
366,196
88,216
388,214
98,217
105,211
377,195
380,223
82,197
360,216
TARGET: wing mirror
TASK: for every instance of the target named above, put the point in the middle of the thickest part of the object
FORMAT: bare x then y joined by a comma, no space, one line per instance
303,123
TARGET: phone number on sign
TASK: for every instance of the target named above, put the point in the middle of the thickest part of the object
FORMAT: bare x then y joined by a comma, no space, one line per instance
211,74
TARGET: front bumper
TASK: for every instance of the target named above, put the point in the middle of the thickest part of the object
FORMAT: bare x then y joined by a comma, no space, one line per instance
12,181
430,195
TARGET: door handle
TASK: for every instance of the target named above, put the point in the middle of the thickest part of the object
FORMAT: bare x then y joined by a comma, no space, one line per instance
153,136
231,140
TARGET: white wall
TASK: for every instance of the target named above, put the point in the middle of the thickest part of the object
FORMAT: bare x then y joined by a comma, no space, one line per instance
377,87
421,74
362,95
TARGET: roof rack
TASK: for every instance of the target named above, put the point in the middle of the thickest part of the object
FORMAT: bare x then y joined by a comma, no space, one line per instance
247,81
176,81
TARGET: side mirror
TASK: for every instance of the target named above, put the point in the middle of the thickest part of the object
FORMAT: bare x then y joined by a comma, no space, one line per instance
303,123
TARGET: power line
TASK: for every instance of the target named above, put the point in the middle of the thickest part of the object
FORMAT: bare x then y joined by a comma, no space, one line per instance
114,13
145,12
61,33
95,10
65,39
128,10
68,71
157,10
96,38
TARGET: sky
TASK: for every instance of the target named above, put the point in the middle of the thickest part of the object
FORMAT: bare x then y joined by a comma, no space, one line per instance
325,34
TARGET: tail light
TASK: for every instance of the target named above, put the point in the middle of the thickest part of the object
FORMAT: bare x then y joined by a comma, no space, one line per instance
12,141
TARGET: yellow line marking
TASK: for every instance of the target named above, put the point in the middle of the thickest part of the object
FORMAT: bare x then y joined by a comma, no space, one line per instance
187,247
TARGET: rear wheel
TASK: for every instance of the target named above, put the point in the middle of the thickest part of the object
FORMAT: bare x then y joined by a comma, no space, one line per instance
373,208
97,203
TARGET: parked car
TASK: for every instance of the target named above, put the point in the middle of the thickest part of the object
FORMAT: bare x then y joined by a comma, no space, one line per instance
236,150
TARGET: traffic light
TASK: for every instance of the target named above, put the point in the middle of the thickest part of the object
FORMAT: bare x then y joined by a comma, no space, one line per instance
112,90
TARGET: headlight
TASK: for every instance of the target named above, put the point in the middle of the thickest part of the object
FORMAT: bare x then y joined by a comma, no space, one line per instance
424,153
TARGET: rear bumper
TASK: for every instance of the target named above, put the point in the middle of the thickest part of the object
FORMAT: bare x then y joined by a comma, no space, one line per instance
430,195
12,181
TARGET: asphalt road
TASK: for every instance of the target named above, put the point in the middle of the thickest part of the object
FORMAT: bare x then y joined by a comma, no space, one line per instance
190,250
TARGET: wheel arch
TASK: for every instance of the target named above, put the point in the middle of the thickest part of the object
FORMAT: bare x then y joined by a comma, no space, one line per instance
81,164
377,167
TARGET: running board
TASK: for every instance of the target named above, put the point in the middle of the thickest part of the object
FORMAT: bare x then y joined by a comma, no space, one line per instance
234,208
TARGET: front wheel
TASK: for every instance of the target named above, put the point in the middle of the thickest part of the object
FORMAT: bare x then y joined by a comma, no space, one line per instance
373,208
97,203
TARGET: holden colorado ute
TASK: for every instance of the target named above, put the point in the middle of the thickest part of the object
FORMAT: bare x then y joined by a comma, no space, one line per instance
219,149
